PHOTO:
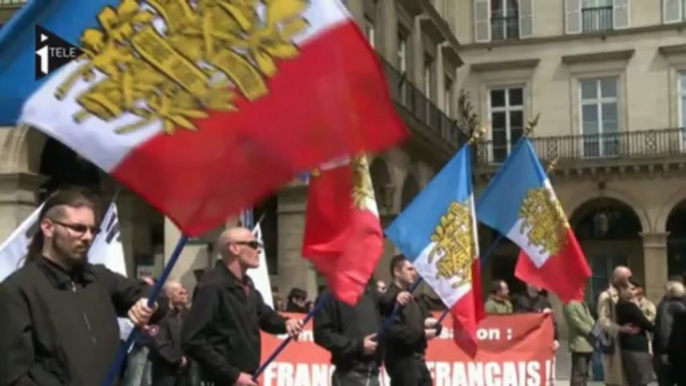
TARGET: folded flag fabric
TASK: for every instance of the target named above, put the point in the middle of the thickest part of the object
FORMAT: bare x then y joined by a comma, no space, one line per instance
438,233
14,249
521,204
202,107
343,236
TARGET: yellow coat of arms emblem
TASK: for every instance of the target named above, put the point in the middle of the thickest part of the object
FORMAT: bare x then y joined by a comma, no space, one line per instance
176,72
455,249
544,221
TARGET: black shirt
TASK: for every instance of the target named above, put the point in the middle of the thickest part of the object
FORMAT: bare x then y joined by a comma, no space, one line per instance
630,313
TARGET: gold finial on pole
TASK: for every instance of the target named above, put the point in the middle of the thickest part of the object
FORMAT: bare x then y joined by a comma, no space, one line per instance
478,134
531,125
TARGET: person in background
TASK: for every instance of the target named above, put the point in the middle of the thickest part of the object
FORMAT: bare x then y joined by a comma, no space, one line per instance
138,366
407,337
278,302
634,346
169,366
535,301
221,332
381,286
349,334
671,304
644,304
59,312
499,300
607,321
577,314
297,301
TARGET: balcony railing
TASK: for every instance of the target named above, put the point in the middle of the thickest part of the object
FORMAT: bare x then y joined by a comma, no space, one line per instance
421,108
503,28
12,3
597,19
612,146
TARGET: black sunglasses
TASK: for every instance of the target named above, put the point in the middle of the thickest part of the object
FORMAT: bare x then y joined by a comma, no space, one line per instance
252,244
79,228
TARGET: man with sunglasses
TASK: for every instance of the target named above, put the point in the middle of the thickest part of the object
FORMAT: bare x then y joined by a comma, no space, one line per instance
221,332
59,313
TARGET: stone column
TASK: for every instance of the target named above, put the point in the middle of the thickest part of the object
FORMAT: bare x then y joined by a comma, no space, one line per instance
17,199
389,31
417,51
655,263
293,270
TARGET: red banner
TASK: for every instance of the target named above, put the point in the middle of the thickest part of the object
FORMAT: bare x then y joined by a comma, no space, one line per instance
513,350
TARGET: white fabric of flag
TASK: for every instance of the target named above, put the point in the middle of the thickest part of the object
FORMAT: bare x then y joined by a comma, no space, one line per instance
14,249
260,275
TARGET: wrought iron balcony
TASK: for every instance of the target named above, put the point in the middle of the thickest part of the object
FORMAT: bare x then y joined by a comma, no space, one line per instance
628,145
597,19
415,104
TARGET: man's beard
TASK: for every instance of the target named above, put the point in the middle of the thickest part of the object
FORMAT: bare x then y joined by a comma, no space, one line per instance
74,258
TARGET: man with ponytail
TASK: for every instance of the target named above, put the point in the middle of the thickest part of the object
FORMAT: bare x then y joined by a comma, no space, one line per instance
59,312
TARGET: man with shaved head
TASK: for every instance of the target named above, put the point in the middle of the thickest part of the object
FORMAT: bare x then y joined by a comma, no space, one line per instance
169,365
607,321
222,330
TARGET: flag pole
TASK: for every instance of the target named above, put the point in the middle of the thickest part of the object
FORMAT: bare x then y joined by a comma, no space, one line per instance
123,350
497,241
320,303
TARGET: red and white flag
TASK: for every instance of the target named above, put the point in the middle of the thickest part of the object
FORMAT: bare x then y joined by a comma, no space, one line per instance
202,125
343,235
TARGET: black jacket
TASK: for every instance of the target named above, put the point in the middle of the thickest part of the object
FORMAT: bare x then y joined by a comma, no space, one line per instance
166,354
222,329
630,313
406,336
664,322
341,328
59,328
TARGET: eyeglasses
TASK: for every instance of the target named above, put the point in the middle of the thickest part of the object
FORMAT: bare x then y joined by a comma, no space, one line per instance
252,244
80,229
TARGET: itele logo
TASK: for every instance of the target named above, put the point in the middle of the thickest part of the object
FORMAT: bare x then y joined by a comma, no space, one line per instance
52,52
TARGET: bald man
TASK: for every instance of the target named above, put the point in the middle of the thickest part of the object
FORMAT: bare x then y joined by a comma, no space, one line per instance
222,330
607,321
169,365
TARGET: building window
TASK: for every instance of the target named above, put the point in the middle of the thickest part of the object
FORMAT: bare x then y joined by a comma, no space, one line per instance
597,15
603,266
507,119
600,116
448,97
402,53
369,31
428,76
504,19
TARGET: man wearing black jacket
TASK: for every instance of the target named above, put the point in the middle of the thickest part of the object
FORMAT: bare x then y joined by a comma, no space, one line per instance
59,312
222,329
536,302
349,333
406,339
169,366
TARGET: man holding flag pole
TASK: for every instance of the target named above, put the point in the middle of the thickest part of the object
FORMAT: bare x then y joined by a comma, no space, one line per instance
60,309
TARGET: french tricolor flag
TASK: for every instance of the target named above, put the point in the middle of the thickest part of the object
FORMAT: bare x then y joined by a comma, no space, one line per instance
437,232
521,204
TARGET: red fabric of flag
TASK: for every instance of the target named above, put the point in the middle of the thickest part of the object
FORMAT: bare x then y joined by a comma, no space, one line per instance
343,235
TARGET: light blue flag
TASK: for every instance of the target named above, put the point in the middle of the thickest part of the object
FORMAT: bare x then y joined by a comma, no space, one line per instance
437,231
499,206
65,18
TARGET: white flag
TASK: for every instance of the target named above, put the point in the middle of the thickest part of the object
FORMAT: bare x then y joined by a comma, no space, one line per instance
107,248
13,250
260,275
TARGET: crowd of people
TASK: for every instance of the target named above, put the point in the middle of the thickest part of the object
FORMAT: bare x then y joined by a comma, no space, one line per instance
60,316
